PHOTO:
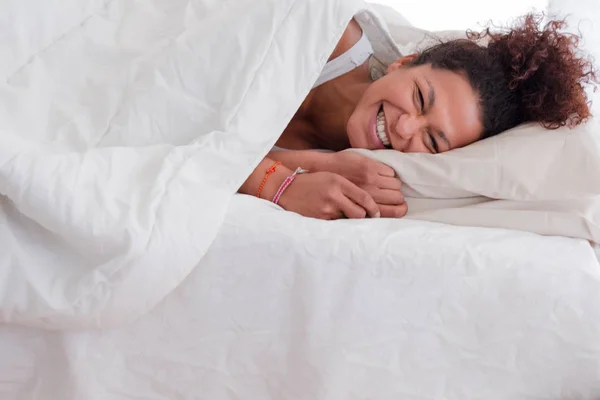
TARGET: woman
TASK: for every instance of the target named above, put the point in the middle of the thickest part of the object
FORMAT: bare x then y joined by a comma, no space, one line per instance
446,97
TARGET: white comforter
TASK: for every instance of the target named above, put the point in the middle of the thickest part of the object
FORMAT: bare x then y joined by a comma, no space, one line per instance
125,128
130,270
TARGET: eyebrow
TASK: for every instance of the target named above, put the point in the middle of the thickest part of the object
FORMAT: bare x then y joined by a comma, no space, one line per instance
431,102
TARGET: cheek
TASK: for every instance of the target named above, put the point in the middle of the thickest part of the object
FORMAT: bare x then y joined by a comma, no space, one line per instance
468,129
379,90
384,90
416,145
396,92
371,96
472,137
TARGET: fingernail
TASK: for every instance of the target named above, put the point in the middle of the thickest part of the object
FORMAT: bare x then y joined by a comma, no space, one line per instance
378,215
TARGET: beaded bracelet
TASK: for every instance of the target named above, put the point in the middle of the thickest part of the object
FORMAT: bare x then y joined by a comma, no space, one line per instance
287,182
267,174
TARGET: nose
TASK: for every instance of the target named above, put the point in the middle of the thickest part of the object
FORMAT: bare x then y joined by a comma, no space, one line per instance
409,125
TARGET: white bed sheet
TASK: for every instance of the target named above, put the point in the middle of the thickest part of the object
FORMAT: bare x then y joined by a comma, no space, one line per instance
284,308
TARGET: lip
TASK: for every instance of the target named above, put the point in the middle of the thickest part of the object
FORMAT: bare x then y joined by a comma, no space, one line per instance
373,131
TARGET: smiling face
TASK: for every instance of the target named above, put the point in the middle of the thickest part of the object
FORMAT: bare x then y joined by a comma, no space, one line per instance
416,109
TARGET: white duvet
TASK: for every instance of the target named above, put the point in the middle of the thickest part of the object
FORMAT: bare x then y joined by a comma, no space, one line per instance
126,127
130,270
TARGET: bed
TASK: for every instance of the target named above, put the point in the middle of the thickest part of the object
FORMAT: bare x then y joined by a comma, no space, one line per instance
132,273
284,307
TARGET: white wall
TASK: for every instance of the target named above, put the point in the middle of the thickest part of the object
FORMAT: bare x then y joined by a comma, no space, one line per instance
584,17
461,14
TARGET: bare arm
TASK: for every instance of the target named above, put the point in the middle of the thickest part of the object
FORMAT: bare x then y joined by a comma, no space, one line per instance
313,161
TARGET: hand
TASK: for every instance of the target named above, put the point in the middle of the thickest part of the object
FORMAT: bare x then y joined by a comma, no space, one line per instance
326,195
374,177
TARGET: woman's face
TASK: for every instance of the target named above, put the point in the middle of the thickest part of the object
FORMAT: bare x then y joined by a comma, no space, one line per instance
416,109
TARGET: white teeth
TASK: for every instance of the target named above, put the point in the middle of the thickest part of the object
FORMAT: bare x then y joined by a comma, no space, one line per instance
381,129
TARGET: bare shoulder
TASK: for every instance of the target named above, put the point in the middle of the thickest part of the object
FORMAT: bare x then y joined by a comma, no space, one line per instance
350,37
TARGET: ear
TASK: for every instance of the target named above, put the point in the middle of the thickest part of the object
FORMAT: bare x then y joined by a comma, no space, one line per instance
401,62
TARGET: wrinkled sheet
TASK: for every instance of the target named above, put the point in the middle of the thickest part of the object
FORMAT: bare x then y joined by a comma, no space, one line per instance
284,307
125,128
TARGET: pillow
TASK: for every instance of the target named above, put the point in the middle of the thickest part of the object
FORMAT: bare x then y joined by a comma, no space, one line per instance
526,163
527,178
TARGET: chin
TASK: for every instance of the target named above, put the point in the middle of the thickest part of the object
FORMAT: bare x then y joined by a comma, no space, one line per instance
352,142
354,136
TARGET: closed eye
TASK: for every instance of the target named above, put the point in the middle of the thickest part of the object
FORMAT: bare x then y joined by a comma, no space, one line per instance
421,99
434,143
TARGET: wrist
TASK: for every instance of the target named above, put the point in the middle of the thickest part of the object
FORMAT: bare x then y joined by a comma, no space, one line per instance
288,193
321,162
274,182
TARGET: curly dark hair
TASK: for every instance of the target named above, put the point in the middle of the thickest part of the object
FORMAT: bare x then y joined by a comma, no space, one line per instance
526,73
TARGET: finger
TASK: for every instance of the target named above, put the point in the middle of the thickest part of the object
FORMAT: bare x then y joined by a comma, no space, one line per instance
351,209
388,197
331,211
385,170
362,198
338,215
389,183
398,211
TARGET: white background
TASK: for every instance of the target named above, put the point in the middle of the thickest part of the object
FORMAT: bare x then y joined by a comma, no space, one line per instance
461,14
583,16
